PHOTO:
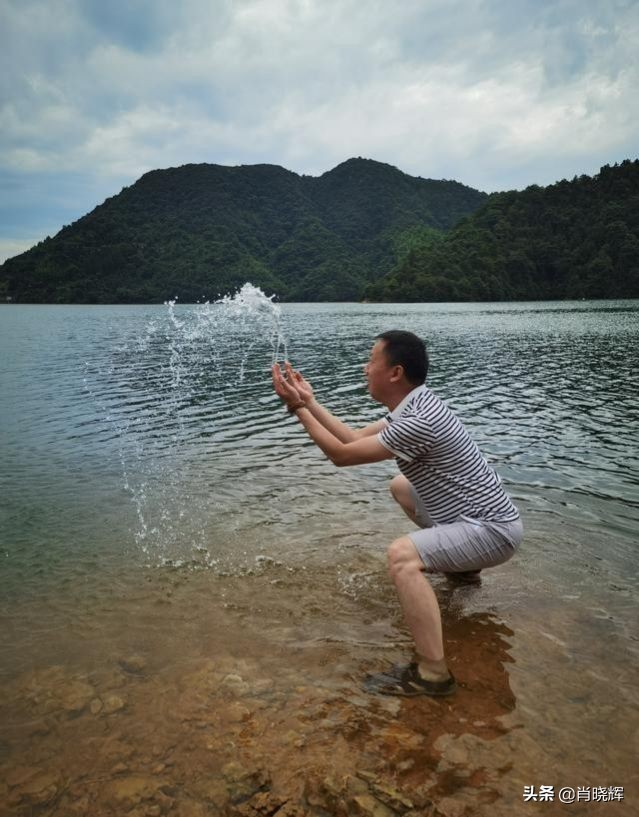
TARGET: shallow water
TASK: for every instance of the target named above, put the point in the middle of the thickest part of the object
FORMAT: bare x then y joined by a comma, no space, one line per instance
192,594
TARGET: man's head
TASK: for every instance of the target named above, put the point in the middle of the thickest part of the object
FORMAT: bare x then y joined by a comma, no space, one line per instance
398,360
407,350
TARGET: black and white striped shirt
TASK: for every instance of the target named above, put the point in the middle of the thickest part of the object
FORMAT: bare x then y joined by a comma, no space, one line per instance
436,454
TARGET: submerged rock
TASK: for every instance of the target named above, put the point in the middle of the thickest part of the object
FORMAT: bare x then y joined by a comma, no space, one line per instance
365,805
191,808
363,795
76,696
267,804
235,684
133,664
212,790
391,797
113,703
40,789
244,782
236,713
128,792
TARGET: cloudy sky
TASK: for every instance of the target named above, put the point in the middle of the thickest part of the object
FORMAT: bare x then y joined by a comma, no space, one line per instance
497,94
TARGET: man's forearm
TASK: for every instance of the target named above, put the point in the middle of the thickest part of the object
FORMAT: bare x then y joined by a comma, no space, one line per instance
322,436
337,428
355,452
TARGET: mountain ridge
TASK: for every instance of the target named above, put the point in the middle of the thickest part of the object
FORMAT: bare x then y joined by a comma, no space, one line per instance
200,230
363,229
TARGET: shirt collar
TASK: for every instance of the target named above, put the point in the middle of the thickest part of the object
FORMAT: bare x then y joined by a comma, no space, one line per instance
396,412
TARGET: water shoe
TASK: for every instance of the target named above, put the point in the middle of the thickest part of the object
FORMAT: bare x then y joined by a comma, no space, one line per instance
407,682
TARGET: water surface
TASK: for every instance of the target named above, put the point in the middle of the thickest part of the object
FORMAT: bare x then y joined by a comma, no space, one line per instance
167,527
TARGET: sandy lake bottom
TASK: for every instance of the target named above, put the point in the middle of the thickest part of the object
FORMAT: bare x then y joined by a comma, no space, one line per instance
196,693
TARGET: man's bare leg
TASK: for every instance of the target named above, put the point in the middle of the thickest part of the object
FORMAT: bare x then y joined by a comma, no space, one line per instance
421,610
402,494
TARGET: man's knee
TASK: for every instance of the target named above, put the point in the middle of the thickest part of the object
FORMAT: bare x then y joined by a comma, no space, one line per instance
403,557
400,490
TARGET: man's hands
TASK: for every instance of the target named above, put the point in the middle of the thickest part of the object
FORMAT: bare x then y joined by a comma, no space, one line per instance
291,386
301,384
340,443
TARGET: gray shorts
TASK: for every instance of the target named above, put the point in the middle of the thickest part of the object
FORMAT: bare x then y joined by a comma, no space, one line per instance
465,544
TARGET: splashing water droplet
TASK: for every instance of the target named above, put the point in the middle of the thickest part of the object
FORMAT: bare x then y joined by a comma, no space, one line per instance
251,304
169,397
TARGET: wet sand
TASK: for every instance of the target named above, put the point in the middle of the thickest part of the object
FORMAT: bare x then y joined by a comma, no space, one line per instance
194,693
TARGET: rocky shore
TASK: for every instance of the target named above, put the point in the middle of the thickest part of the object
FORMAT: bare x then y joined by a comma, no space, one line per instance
219,738
197,695
274,723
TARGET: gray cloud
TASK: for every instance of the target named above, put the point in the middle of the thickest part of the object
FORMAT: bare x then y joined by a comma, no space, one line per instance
498,95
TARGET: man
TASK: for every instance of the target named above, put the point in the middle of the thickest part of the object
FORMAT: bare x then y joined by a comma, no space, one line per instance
466,521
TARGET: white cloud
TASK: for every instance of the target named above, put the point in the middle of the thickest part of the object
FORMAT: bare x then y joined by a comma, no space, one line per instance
495,96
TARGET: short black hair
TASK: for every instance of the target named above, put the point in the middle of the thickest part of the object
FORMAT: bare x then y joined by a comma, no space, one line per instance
406,349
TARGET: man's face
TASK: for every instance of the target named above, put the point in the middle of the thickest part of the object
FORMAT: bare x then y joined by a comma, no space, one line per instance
378,371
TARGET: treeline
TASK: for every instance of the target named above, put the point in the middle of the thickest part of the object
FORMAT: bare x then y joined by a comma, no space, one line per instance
199,231
574,239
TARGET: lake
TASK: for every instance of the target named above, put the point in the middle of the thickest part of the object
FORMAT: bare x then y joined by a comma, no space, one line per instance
192,593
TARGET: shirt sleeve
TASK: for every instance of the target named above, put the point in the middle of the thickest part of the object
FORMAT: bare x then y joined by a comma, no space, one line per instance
407,437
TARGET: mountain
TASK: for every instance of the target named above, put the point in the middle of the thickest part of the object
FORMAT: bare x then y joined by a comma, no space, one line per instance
573,239
198,231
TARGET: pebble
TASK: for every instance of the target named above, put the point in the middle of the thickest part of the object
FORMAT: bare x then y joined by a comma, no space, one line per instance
365,805
243,782
236,684
113,703
76,697
40,728
132,790
40,789
391,797
236,713
134,664
80,806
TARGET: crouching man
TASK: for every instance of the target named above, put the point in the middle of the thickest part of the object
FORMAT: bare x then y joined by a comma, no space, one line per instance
466,521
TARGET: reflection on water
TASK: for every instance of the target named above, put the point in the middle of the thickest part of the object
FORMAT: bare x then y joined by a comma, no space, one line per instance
192,594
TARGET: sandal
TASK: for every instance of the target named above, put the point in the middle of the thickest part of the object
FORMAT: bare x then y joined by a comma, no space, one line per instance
407,682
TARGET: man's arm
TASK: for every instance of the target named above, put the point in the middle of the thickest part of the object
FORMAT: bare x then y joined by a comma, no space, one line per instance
338,429
357,452
343,432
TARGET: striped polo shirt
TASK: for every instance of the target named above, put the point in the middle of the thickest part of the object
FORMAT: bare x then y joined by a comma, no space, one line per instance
435,453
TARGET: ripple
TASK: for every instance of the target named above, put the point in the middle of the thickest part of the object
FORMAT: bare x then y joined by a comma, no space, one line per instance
133,428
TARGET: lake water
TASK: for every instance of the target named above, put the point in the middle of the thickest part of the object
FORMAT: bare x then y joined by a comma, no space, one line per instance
191,593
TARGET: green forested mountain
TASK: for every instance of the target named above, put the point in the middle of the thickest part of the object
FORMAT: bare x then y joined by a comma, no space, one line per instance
574,239
202,230
364,229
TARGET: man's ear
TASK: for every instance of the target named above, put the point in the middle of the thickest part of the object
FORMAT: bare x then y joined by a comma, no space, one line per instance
397,374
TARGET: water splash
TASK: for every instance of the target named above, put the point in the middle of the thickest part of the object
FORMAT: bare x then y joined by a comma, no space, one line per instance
170,397
251,306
